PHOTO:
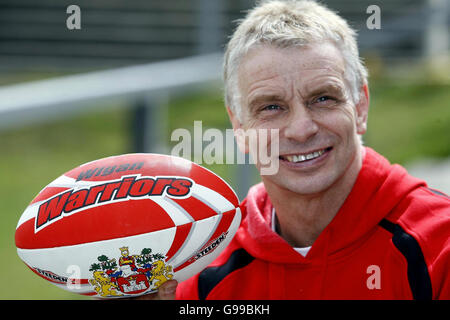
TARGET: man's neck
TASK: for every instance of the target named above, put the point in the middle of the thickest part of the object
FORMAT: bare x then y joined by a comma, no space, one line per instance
302,217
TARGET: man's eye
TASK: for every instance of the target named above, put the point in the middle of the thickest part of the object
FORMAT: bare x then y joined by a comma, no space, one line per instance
323,99
271,107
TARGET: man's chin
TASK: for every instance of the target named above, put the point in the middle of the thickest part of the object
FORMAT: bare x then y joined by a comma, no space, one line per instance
307,186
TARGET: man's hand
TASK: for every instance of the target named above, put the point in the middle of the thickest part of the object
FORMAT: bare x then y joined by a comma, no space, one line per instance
165,292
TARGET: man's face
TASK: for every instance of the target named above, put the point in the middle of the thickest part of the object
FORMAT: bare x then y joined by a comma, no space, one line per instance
302,93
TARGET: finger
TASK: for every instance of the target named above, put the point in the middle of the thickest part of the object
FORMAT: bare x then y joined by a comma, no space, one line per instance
167,290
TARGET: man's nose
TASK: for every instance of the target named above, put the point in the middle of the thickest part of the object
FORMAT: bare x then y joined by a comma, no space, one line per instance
301,124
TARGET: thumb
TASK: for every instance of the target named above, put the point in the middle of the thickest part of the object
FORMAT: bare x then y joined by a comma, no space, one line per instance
167,290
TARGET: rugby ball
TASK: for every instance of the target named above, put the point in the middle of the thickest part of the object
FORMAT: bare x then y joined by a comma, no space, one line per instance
122,226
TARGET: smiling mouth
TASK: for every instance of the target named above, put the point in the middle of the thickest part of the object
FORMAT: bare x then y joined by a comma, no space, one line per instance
297,158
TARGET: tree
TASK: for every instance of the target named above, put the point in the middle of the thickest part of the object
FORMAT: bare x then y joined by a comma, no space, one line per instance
95,267
106,263
158,256
145,257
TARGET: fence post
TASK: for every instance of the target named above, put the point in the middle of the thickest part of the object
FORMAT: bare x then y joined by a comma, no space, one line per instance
244,177
149,124
436,40
210,35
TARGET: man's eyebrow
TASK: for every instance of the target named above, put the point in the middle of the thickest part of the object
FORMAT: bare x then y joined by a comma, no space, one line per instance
325,88
264,97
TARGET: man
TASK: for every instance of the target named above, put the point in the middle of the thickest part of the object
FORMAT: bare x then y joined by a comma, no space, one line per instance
337,220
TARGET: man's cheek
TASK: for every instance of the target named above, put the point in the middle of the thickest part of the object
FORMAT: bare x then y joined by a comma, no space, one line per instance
265,150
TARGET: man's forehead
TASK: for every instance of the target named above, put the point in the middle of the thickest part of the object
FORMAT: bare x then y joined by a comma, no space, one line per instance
267,61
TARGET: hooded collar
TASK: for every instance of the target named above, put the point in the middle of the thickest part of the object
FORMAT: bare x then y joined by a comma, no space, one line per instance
378,188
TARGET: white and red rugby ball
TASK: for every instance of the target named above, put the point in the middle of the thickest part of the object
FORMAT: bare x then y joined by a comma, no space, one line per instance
121,226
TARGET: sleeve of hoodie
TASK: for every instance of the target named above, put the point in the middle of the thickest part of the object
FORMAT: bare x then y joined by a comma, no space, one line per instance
188,289
428,221
440,274
439,251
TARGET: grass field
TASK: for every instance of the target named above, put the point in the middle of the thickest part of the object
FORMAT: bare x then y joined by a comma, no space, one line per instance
406,122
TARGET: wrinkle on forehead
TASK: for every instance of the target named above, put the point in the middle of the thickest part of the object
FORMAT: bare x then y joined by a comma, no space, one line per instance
269,68
319,56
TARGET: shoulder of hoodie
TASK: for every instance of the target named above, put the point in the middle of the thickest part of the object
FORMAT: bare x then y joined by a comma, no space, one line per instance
188,289
424,213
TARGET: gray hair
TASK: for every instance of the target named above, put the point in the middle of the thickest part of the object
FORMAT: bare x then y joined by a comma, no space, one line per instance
285,24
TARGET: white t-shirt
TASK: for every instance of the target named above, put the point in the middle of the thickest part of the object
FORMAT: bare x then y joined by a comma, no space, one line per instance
303,251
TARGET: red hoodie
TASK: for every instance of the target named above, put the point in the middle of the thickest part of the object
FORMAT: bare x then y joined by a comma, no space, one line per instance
389,240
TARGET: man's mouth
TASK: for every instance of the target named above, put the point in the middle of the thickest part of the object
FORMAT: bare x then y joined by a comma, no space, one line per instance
297,158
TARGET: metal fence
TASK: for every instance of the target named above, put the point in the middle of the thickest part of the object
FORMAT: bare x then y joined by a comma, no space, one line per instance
114,33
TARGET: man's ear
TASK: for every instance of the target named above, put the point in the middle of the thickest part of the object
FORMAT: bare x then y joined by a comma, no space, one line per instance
362,110
239,131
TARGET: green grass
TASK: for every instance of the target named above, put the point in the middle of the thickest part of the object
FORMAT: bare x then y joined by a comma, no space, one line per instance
406,122
409,122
